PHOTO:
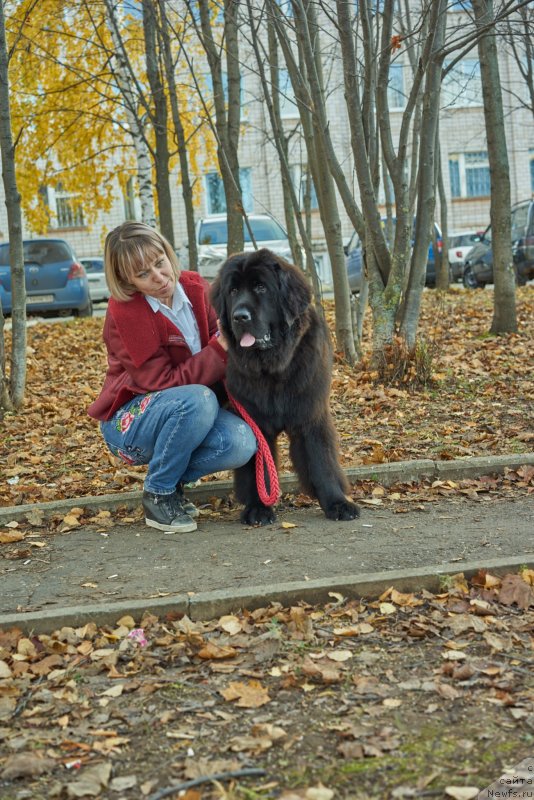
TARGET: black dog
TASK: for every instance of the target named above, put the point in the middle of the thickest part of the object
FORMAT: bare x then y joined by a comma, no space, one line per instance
279,369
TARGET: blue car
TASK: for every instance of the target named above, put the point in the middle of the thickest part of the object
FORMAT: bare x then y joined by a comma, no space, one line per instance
354,259
56,282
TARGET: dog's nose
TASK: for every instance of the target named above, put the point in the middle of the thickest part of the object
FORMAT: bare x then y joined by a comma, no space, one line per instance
241,314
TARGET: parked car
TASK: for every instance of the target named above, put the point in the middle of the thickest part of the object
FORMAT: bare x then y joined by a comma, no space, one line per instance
94,267
212,240
354,259
478,266
460,243
55,280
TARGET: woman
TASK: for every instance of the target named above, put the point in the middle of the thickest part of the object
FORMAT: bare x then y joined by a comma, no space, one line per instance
165,351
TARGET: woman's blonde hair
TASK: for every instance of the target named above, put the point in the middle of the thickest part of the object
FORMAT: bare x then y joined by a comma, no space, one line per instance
126,251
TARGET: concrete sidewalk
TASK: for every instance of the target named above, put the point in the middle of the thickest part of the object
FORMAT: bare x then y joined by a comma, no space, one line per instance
91,574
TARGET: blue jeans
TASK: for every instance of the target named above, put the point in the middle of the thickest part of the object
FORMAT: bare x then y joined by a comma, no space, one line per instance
181,433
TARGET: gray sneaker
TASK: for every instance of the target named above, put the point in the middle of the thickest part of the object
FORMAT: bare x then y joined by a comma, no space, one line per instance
189,507
166,513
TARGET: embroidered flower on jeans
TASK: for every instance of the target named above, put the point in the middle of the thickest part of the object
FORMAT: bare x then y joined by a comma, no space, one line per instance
144,402
125,420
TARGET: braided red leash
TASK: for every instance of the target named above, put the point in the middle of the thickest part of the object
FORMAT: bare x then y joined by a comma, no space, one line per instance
264,459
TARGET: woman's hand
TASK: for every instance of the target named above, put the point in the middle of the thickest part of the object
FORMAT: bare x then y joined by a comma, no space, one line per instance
222,339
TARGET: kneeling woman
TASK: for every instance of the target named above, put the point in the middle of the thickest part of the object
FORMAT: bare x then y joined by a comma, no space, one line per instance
165,351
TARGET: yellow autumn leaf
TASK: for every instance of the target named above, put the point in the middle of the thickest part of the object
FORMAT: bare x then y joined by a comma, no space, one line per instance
230,624
211,650
339,655
6,537
248,695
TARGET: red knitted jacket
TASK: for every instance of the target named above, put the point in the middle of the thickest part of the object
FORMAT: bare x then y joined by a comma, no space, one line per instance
146,352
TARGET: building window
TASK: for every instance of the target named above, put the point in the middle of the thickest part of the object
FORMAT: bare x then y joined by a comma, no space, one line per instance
303,183
285,7
288,103
396,96
66,209
469,174
215,197
462,85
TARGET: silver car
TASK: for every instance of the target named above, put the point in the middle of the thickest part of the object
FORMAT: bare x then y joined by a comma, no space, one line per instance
212,239
98,288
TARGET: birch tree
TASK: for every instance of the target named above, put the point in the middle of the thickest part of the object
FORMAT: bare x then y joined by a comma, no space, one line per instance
136,121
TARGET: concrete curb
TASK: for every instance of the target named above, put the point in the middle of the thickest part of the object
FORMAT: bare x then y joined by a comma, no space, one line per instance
384,474
210,605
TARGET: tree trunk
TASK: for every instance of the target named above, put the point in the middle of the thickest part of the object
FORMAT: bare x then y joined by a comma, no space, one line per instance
443,272
272,100
122,76
159,121
504,306
12,396
426,195
316,135
181,144
227,122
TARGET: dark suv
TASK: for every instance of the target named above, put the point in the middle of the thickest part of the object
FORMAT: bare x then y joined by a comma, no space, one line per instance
478,265
354,258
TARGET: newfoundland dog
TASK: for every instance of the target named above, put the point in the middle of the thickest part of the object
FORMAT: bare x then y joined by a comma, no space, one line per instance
279,369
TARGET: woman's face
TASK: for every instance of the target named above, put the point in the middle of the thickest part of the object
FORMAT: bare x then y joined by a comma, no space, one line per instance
156,278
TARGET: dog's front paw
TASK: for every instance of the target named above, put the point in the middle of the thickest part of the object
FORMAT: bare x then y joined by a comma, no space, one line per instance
258,515
342,509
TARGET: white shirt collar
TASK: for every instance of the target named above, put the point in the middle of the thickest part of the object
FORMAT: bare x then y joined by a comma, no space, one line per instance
178,299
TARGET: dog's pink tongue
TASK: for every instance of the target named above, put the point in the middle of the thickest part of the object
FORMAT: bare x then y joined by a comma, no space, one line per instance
247,340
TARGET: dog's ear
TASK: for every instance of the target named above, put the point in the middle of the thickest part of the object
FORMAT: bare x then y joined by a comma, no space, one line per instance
218,302
295,294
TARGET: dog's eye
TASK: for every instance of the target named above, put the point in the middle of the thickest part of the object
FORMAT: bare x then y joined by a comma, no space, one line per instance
233,291
259,288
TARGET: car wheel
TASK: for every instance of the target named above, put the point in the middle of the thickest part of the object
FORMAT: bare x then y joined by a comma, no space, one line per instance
87,311
520,279
469,279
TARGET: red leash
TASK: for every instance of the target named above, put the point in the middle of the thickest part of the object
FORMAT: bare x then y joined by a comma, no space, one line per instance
264,459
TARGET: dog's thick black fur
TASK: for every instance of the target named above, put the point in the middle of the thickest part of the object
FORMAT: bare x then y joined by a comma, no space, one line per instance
279,369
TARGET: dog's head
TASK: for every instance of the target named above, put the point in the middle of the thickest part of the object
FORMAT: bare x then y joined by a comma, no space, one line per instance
258,297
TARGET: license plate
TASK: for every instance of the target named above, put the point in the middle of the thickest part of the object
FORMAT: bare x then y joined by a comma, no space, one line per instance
40,298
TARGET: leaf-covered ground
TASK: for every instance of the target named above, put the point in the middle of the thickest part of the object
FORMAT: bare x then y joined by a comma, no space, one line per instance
404,696
481,402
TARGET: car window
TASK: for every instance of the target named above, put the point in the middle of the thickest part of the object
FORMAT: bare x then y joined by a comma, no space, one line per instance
39,252
93,265
264,230
463,240
45,252
213,232
519,221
